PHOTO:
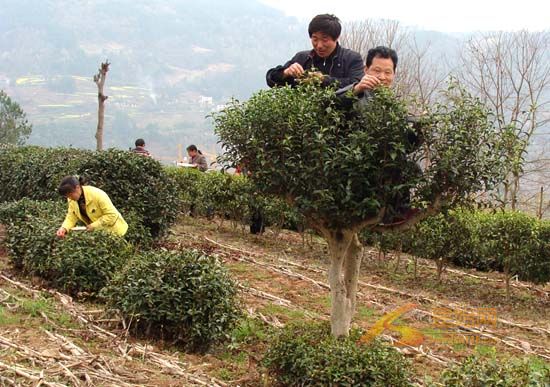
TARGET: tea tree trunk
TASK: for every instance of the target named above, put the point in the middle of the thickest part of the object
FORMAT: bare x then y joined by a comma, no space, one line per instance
346,252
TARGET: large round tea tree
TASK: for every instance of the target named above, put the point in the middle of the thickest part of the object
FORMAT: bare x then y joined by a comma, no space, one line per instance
344,169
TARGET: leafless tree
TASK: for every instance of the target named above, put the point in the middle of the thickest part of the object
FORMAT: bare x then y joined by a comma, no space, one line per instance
510,71
99,80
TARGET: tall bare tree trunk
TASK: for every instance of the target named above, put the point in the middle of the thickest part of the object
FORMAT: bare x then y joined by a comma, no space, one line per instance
515,190
99,79
541,199
346,252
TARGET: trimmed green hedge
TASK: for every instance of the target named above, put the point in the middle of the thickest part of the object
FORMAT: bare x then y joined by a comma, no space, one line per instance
308,355
30,230
229,197
187,296
34,172
134,183
82,262
488,371
85,261
511,242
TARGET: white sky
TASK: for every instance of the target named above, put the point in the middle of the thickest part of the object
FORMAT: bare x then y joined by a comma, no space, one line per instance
442,15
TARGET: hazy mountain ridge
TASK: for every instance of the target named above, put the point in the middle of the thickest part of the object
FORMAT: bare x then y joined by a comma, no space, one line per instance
173,62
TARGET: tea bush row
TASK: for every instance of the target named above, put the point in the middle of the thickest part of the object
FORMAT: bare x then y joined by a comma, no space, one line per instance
507,241
307,355
134,183
185,296
229,197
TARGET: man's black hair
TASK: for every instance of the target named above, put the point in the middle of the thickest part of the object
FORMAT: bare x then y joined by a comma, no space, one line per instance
327,24
140,142
382,52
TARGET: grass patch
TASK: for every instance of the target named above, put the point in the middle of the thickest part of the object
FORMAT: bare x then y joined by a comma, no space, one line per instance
485,350
225,374
7,318
282,311
35,308
365,313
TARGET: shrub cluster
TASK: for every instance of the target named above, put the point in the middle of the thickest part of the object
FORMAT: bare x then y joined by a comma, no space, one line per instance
80,262
230,197
308,355
186,296
133,183
512,242
488,371
35,172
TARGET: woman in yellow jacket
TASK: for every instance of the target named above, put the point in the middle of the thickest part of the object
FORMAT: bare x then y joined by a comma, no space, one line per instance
90,205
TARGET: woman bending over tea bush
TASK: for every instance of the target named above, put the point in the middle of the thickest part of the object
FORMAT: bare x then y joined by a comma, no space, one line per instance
90,205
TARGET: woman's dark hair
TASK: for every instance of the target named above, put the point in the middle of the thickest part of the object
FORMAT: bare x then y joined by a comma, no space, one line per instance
194,148
69,183
382,52
327,24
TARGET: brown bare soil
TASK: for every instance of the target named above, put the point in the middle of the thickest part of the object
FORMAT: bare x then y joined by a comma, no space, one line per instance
48,338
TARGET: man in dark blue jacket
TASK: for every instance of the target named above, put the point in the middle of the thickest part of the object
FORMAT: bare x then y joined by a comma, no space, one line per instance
340,66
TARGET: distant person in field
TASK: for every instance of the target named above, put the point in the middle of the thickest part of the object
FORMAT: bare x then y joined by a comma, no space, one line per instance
380,67
196,158
91,206
140,148
338,66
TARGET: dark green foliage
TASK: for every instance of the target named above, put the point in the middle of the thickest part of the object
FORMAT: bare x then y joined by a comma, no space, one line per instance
138,235
277,212
188,182
307,355
538,264
215,194
510,237
30,243
34,172
229,196
479,371
85,261
14,126
384,241
465,150
298,143
186,296
30,230
507,241
133,183
27,209
80,262
341,167
469,246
